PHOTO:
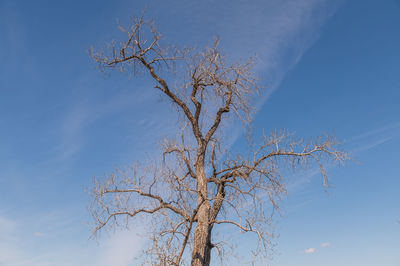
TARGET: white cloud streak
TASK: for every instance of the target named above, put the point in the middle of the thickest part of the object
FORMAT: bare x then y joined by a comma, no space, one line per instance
326,244
280,33
313,250
17,248
355,145
392,127
292,28
38,234
310,250
12,252
120,249
9,251
374,137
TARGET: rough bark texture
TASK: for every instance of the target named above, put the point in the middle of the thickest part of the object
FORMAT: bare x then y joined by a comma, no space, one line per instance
201,253
185,192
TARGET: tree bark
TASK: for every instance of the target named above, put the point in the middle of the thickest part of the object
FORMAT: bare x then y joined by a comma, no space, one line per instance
201,254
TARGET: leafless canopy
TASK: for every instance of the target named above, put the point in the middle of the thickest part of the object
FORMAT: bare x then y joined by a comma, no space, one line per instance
198,184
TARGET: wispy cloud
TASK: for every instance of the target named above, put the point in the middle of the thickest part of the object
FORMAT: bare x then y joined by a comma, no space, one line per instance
376,131
373,138
13,47
371,144
310,250
79,118
18,247
354,145
38,234
120,249
289,29
292,28
313,250
326,244
11,251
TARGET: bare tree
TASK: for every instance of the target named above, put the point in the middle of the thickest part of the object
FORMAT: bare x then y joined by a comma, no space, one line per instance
199,184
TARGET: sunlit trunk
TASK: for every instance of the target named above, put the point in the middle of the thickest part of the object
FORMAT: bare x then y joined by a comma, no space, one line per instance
202,235
202,238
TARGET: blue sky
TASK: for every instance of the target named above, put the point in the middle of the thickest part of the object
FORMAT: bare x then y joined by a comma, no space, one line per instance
324,65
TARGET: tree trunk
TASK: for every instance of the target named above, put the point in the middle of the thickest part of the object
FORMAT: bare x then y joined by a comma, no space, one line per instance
201,254
202,238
